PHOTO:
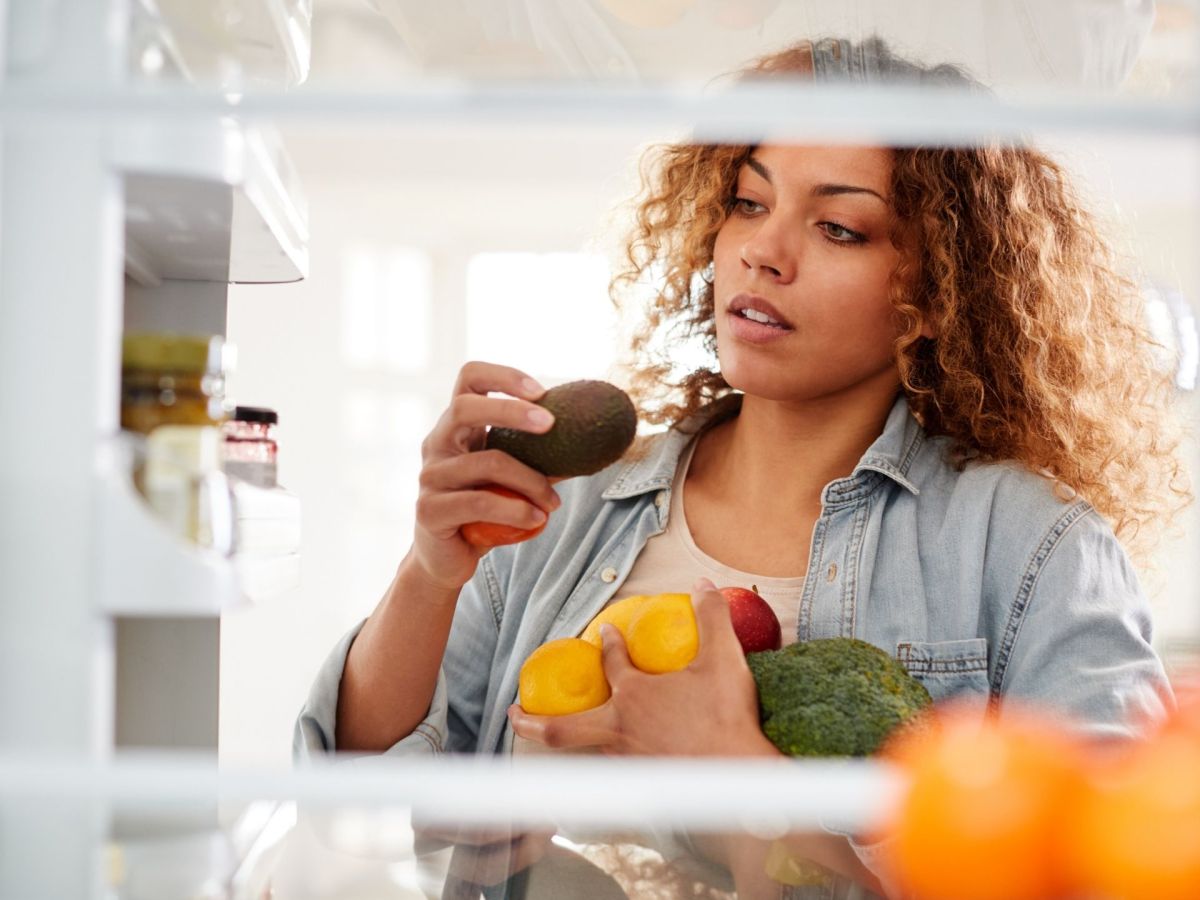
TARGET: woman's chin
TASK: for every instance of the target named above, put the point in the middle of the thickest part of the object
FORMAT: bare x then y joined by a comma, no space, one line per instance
757,378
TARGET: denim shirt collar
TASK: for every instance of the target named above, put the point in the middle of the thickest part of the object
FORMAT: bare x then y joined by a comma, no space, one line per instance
891,455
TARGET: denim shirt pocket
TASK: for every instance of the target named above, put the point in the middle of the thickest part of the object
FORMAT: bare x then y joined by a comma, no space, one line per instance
955,670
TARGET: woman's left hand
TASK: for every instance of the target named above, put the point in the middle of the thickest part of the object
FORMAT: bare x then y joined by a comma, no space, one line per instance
709,708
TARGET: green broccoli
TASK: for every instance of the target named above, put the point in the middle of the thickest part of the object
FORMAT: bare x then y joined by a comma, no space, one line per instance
833,696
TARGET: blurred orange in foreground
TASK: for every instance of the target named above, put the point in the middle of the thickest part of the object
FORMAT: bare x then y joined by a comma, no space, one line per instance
984,813
1136,832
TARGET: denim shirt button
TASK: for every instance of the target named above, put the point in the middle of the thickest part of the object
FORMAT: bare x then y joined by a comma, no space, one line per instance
609,575
660,499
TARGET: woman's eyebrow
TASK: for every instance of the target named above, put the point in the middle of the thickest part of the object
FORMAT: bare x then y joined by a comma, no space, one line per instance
832,190
820,190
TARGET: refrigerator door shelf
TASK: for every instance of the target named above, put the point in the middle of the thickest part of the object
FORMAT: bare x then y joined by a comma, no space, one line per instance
145,570
211,201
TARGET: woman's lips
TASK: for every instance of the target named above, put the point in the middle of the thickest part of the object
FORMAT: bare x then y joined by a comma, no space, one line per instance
760,308
756,332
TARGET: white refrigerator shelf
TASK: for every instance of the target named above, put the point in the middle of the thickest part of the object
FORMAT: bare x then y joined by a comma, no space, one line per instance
145,570
210,200
586,791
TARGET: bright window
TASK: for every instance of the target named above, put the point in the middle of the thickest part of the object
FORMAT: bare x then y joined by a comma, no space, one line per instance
547,314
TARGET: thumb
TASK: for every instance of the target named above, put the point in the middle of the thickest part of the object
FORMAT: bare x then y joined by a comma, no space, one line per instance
616,654
713,621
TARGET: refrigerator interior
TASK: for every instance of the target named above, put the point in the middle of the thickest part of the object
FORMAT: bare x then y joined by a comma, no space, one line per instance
361,195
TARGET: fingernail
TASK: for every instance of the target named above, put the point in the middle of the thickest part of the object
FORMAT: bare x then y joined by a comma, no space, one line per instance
606,632
540,418
703,584
532,387
538,516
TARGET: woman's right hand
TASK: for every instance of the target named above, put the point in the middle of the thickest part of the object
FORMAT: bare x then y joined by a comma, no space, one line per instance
455,468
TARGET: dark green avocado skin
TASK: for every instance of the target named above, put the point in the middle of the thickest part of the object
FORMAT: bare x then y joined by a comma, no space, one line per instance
594,424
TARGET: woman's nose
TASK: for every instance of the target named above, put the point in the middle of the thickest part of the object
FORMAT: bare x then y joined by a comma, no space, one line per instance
767,251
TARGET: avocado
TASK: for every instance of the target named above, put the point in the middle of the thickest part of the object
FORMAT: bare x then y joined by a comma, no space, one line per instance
594,424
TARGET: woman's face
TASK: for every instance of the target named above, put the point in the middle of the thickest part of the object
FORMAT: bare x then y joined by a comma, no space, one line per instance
801,274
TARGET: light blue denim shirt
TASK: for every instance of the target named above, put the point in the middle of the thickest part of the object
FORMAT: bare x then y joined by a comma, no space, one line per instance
982,582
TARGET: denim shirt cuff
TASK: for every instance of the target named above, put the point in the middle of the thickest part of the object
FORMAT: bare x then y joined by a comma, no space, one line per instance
316,726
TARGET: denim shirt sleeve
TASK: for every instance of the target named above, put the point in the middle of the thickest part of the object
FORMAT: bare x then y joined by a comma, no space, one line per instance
1078,637
453,720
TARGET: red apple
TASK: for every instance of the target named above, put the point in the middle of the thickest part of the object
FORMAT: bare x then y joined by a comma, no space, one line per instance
754,622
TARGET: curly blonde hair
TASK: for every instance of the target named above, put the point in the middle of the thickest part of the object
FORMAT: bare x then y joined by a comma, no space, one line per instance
1041,354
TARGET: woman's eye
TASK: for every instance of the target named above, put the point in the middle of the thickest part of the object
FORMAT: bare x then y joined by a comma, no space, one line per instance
841,234
746,206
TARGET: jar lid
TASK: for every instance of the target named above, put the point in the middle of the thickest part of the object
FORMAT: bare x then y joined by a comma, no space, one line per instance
172,352
255,414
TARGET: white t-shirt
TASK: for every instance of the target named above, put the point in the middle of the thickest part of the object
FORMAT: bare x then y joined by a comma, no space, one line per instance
671,562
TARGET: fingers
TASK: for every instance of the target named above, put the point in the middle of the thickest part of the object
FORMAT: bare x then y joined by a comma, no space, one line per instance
713,623
472,470
461,427
444,513
593,728
477,411
481,377
617,664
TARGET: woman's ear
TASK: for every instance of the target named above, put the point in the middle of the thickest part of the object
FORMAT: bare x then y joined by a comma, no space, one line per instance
927,329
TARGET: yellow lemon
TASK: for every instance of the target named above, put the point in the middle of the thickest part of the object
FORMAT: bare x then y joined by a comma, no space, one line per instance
561,677
662,635
618,614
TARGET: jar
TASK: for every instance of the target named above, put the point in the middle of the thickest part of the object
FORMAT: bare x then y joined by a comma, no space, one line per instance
170,379
250,445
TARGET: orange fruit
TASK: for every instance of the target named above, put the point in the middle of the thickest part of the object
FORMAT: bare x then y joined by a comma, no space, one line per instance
619,614
492,534
984,811
662,634
561,677
1136,833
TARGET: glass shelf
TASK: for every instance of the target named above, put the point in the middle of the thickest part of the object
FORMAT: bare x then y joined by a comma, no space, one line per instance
327,830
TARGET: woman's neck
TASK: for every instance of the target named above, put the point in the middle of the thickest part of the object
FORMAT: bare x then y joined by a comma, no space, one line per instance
777,457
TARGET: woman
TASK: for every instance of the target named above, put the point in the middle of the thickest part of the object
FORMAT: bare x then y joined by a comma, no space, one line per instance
935,417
